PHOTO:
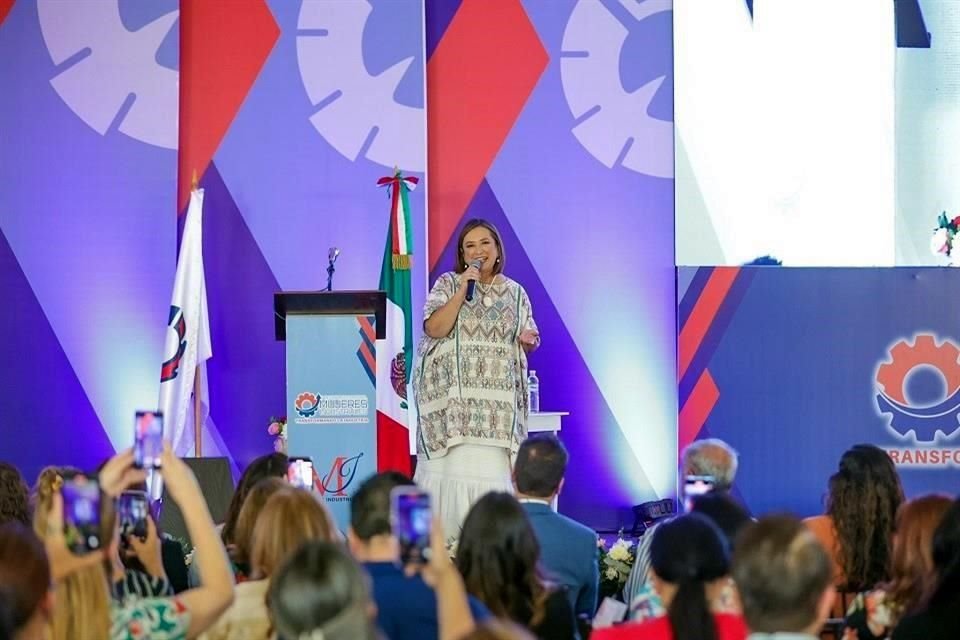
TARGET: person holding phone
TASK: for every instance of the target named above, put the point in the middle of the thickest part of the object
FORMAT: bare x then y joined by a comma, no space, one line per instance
83,607
391,531
470,378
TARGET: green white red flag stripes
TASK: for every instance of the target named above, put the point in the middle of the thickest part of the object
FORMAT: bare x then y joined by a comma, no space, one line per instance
395,352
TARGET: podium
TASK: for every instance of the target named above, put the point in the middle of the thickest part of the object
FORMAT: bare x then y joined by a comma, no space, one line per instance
331,396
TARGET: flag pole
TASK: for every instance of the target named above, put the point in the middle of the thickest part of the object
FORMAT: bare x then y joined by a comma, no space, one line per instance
197,438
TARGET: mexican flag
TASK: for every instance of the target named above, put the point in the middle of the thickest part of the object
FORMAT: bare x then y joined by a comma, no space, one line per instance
395,352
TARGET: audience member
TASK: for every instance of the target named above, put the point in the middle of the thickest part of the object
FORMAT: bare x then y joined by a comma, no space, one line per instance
937,617
784,578
148,578
874,614
708,457
568,550
83,607
236,538
864,495
690,564
26,592
172,559
271,465
290,518
730,517
498,556
242,546
14,496
320,592
406,605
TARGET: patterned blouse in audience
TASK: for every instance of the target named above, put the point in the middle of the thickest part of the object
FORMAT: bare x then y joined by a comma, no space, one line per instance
647,604
154,618
137,584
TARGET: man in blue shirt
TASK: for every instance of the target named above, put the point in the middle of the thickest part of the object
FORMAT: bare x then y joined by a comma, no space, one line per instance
568,549
406,605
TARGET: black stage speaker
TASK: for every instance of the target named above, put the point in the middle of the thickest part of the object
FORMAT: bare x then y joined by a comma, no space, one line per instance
216,483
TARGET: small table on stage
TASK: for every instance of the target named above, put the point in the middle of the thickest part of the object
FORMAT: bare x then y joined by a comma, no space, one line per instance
546,421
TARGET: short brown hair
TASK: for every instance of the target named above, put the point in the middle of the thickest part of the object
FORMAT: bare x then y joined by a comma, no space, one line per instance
290,518
461,263
781,571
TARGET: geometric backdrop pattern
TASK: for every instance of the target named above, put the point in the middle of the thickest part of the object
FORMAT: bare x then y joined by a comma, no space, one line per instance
87,255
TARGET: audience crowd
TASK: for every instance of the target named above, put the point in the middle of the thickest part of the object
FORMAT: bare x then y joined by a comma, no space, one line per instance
873,566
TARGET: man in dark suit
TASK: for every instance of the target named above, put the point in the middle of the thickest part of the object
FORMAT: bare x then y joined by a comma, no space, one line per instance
568,550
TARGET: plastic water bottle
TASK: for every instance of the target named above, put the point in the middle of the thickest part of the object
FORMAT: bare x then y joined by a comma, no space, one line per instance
533,386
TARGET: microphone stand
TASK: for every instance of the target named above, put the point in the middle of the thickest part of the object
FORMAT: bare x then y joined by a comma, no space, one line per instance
332,256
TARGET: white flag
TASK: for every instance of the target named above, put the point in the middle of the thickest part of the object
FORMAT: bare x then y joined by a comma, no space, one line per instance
188,336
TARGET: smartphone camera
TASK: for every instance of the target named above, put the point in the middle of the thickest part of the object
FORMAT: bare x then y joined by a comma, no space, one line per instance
696,486
81,513
410,519
148,439
300,473
133,509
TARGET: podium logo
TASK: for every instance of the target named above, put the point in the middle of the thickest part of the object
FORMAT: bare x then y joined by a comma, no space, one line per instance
919,388
342,472
313,408
306,404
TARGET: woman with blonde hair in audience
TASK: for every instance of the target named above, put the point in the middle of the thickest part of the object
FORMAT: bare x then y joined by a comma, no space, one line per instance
290,518
241,548
874,614
83,607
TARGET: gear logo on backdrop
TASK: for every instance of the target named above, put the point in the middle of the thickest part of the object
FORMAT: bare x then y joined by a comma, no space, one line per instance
621,120
918,388
111,75
376,115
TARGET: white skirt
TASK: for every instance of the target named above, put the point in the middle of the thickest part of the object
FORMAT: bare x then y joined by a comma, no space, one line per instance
460,478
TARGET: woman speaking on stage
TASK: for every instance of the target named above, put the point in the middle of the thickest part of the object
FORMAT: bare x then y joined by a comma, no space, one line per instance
470,378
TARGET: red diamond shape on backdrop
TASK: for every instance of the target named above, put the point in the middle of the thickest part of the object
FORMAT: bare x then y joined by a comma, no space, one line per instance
223,46
5,6
478,80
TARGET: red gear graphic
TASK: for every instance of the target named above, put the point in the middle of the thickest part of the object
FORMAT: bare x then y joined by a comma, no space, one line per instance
924,350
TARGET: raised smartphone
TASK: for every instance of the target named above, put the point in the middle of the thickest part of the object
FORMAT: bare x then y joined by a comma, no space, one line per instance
300,472
148,439
410,519
81,513
133,509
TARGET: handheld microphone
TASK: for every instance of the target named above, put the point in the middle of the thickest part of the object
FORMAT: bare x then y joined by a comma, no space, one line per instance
472,284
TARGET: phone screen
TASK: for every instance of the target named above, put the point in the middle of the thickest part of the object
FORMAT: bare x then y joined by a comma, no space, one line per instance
696,486
133,509
148,439
81,513
300,473
410,517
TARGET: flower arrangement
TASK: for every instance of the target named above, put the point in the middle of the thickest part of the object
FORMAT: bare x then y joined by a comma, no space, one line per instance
615,564
944,235
278,428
